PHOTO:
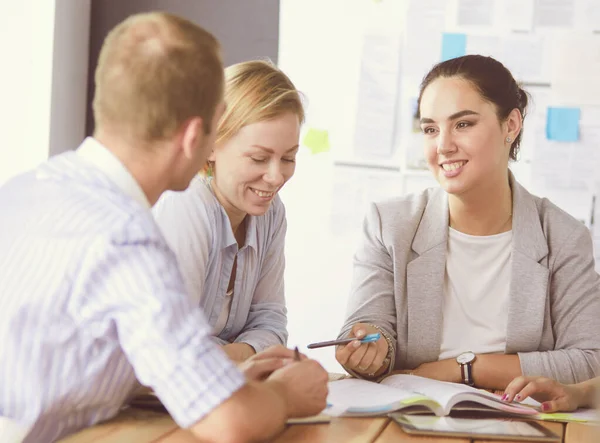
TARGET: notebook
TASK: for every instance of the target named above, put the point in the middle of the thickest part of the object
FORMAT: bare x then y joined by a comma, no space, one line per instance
355,397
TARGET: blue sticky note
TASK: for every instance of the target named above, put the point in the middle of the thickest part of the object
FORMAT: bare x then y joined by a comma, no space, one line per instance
562,124
453,45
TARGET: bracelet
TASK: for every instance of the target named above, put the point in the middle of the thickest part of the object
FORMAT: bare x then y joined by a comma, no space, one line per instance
388,357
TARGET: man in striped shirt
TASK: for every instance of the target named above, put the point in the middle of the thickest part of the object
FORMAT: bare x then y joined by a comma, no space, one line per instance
91,298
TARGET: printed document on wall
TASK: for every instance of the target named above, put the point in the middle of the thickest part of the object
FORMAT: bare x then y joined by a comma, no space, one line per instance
377,95
555,13
475,13
425,21
575,69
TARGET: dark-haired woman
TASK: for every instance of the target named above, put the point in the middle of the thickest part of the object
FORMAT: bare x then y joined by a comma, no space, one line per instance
476,281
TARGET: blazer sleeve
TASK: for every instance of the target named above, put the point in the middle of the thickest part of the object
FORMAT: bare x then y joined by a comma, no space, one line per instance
575,313
372,291
267,319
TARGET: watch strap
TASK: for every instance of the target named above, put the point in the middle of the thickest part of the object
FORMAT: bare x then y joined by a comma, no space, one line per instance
466,372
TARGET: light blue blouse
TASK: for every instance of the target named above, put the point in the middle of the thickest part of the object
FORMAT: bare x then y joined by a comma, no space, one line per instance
198,230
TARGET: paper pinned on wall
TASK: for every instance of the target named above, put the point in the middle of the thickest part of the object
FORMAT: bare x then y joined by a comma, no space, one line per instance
519,14
377,95
423,19
527,57
475,13
588,15
575,69
562,124
317,140
453,45
554,13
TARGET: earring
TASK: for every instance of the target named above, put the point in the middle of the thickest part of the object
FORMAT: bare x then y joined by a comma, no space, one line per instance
508,139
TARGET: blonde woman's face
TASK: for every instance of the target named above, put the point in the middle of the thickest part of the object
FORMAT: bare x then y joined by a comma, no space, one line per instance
252,166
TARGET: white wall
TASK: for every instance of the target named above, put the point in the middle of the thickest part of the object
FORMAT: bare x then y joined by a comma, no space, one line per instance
43,97
26,44
320,48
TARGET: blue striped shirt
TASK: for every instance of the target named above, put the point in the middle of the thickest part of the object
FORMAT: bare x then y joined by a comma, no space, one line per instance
90,299
198,230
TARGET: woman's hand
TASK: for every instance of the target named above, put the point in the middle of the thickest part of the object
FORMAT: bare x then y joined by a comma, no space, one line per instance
363,358
553,395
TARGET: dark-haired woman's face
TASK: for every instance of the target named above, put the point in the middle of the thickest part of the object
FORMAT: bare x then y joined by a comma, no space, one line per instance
463,138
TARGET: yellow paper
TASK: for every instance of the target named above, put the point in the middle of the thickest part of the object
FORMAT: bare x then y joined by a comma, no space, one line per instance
561,416
317,140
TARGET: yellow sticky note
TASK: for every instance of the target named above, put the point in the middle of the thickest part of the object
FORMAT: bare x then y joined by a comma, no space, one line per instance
560,416
317,140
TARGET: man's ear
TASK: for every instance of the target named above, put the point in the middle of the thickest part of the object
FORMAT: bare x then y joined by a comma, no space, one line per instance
192,136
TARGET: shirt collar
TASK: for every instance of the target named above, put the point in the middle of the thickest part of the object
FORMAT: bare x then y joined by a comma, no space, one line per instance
228,237
98,155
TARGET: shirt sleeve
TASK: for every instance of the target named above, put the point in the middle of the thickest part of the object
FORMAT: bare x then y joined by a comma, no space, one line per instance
134,287
372,292
267,319
575,313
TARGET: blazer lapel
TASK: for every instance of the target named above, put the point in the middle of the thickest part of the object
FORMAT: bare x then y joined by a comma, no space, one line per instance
529,280
425,277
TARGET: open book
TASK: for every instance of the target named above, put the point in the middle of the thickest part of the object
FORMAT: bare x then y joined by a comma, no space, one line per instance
354,397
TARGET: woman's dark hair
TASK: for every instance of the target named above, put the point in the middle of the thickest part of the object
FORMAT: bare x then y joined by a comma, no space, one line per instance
494,82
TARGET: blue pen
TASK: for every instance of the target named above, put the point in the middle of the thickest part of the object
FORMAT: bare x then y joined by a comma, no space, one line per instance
371,338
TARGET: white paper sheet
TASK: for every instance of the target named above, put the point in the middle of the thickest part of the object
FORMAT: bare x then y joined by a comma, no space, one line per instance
575,69
425,21
527,57
518,14
377,96
475,13
554,13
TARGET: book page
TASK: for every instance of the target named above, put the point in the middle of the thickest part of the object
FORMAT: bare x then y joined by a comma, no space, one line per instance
448,394
361,396
440,391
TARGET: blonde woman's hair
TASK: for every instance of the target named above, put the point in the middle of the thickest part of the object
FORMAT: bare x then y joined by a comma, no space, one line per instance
256,91
155,71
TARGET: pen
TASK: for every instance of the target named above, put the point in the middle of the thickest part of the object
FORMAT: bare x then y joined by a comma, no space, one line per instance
366,339
296,354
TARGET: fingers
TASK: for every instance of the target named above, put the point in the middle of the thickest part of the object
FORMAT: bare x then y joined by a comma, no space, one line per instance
515,387
557,396
262,368
381,350
357,352
344,353
359,330
368,359
277,351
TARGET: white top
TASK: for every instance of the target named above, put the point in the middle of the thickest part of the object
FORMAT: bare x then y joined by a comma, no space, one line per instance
476,293
90,298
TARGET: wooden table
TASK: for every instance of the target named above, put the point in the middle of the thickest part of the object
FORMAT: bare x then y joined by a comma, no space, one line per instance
143,426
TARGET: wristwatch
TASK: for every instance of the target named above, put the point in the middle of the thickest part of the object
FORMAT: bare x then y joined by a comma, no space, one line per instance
465,361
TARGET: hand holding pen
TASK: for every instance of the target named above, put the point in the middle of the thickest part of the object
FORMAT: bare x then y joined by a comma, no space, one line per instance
364,358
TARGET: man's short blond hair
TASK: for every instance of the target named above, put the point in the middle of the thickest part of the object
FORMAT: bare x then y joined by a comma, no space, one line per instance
156,71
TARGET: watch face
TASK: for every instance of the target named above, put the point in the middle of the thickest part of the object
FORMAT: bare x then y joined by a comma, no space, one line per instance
465,357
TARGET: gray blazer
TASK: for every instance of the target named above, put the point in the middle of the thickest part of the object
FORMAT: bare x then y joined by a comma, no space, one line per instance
554,306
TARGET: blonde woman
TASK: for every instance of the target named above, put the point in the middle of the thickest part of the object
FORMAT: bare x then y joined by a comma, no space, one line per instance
228,228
